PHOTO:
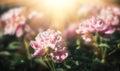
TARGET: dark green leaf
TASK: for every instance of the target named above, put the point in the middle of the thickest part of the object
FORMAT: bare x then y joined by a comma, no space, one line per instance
60,69
41,61
67,66
103,45
4,53
14,46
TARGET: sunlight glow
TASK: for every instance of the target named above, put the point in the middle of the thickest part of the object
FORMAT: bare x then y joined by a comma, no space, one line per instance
57,4
58,10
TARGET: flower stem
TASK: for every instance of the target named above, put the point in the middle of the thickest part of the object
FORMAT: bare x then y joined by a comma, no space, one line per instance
27,50
53,66
49,64
104,49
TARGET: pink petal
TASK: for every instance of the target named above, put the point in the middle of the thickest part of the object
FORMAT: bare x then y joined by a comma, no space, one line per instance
34,45
59,56
39,52
19,31
110,30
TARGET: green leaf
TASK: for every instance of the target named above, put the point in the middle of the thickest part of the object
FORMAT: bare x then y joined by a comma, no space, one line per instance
118,45
4,53
67,66
14,46
77,47
41,61
77,63
103,45
97,38
78,42
60,69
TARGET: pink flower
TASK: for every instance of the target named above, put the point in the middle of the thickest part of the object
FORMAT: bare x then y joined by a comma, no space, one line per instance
88,38
14,13
97,25
109,17
19,31
10,29
92,25
59,56
39,51
114,10
81,29
47,42
105,23
71,30
49,38
14,22
110,30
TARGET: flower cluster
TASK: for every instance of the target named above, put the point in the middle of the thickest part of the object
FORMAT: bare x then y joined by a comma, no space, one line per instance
105,24
111,16
13,21
49,42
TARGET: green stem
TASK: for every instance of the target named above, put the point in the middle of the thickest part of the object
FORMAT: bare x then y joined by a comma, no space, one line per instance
49,64
53,66
104,49
27,50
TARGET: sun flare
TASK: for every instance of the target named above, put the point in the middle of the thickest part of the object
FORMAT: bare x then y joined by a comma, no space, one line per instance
58,10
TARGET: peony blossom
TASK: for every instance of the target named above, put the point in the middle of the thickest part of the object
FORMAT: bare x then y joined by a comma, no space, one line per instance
109,17
48,42
60,55
13,21
70,31
88,38
114,10
81,27
94,25
19,31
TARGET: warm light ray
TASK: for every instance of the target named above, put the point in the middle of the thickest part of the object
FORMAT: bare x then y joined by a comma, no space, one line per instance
56,4
58,10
